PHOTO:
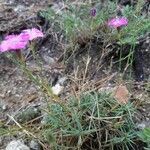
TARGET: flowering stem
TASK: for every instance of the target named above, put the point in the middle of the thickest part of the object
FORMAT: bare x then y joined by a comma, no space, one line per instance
118,29
20,56
32,47
119,32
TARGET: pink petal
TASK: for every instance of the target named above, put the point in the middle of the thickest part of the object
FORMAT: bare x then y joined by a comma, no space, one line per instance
19,45
33,33
118,22
10,37
14,42
24,36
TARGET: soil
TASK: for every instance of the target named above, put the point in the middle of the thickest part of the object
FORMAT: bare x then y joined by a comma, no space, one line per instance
18,93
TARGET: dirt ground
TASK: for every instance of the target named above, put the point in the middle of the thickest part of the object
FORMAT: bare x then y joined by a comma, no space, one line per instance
17,92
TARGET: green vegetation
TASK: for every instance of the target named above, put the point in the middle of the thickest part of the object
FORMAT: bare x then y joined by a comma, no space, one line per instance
79,27
145,136
76,21
94,121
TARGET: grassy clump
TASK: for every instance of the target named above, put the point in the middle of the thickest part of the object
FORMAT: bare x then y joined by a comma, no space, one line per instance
79,28
76,21
93,121
137,27
145,136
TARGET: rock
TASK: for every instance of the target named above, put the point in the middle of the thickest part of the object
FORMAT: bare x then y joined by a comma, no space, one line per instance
143,124
58,84
57,89
121,94
62,80
1,141
49,60
45,118
19,8
17,145
34,145
59,7
3,107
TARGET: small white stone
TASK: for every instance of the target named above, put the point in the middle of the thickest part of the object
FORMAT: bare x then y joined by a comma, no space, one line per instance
19,8
62,80
141,126
49,60
57,89
4,107
16,145
1,141
35,145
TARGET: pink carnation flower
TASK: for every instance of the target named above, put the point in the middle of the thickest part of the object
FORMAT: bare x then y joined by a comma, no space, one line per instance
14,42
118,22
33,33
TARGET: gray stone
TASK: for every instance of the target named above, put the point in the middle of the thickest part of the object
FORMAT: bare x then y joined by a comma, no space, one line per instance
49,60
34,145
1,141
62,80
44,119
3,106
19,8
17,145
143,124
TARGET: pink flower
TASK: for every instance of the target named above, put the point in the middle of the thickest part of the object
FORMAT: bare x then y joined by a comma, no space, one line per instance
118,22
33,33
14,42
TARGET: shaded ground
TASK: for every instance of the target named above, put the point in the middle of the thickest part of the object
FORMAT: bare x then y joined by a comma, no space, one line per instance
17,92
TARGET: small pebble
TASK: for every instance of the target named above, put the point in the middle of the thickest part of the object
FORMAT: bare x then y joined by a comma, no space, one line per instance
141,126
3,106
34,145
62,80
48,60
57,89
1,141
16,145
